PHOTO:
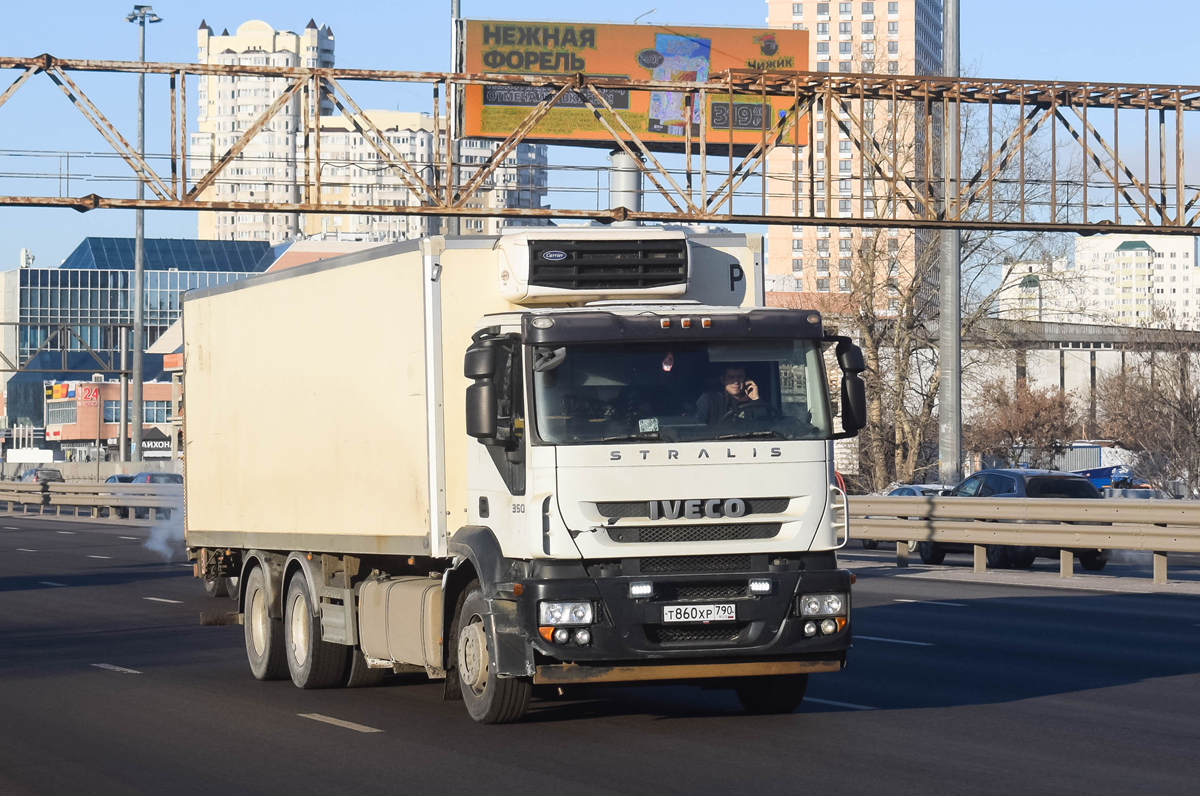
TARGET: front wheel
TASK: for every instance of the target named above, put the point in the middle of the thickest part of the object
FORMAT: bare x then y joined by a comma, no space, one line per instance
1093,560
490,698
773,693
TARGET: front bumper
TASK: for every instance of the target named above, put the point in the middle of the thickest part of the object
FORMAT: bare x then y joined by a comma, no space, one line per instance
768,629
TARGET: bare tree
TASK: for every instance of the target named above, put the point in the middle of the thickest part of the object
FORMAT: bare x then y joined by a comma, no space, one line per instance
1023,425
1153,409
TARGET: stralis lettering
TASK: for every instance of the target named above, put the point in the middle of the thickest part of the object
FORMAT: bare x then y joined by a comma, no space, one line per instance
774,453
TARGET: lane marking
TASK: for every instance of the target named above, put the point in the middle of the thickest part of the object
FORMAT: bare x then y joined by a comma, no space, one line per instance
49,583
189,566
834,704
894,640
349,725
25,550
163,600
11,528
108,557
133,538
66,533
109,667
931,602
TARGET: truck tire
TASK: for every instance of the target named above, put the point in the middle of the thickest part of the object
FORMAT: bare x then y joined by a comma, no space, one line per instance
232,586
358,674
490,699
930,553
1093,560
773,693
870,544
216,587
264,635
312,662
1022,557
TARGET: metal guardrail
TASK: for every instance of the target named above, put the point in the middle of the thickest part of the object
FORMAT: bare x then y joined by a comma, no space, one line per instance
1160,527
100,500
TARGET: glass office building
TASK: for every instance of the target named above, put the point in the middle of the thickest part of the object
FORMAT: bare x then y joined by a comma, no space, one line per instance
91,292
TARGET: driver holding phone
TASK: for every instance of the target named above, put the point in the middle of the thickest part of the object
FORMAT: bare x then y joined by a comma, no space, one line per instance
737,393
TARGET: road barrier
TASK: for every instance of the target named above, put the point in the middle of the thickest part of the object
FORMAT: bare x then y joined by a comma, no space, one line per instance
156,501
1159,527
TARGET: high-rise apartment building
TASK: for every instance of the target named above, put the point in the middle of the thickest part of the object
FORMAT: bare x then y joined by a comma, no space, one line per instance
272,164
895,37
1126,280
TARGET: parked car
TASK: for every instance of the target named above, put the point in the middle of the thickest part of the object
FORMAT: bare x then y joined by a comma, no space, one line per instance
38,475
910,490
119,478
1020,483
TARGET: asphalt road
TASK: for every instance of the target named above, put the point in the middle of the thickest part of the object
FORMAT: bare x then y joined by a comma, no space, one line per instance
952,688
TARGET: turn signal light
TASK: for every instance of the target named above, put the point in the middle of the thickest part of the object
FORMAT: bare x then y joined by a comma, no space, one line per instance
547,633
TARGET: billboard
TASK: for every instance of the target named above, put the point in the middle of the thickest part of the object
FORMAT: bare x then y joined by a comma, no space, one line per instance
637,52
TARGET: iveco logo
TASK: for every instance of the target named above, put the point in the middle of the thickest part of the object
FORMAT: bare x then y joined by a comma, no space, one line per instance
554,254
695,509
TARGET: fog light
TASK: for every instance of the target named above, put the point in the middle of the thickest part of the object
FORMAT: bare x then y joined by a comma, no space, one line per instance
641,588
828,627
562,635
583,636
761,585
810,628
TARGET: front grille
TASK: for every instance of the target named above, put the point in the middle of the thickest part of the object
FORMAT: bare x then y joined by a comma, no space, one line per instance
694,533
625,509
677,564
608,265
694,634
699,591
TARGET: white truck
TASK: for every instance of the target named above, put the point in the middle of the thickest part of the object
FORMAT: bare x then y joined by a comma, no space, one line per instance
552,457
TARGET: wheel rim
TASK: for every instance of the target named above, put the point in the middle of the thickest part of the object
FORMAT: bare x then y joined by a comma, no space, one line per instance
299,634
258,622
473,660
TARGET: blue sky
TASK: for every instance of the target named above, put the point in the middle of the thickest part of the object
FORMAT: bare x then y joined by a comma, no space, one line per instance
1150,41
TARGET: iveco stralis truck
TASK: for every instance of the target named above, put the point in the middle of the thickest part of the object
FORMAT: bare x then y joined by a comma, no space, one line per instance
553,457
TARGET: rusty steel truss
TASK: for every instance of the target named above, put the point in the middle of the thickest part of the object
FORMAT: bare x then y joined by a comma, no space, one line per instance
1052,156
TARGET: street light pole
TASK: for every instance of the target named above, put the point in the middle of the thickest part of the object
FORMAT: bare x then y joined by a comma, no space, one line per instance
950,308
139,16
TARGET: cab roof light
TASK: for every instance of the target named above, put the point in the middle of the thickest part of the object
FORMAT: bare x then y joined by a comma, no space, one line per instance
665,323
686,323
706,323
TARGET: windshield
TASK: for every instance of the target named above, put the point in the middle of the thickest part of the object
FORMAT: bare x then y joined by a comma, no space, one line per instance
608,392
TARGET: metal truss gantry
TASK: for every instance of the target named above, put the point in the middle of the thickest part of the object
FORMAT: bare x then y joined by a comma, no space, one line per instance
1048,156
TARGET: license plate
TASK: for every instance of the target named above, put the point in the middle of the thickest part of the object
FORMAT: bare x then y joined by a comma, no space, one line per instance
721,612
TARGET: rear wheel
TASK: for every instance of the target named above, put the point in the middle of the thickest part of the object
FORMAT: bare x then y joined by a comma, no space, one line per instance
1093,560
215,587
264,635
930,553
232,585
870,544
312,662
490,699
776,693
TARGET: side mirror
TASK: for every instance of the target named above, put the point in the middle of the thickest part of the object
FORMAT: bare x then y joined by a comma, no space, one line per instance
854,392
480,361
481,411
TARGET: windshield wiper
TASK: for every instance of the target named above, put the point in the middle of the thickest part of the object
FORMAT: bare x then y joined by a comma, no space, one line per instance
770,432
640,435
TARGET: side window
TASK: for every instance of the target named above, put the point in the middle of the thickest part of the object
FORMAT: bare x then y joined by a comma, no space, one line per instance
1006,485
970,487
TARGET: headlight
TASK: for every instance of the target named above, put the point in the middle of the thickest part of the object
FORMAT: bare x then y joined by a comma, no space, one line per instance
823,605
556,613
